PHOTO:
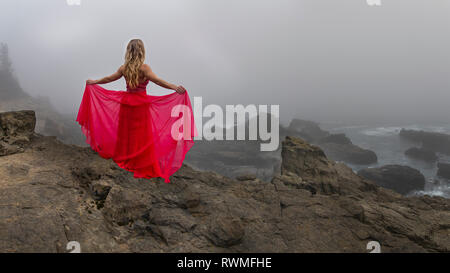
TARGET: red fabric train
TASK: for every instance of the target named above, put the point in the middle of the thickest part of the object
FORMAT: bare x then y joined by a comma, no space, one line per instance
144,134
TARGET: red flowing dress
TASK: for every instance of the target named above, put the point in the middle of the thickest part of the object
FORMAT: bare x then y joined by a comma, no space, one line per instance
146,135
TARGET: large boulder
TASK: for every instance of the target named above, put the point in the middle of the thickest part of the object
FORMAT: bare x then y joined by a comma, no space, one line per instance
444,170
16,129
306,161
436,142
421,154
339,147
402,179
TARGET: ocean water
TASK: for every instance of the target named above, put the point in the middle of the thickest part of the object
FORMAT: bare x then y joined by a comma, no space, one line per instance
390,148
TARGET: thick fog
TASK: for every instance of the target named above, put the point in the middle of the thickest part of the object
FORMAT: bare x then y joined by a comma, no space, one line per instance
324,60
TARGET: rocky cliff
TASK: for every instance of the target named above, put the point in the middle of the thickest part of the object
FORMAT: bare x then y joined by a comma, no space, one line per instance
52,193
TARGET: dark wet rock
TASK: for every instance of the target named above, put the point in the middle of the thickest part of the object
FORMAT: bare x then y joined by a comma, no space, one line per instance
444,170
436,142
58,193
8,149
337,147
349,153
421,154
402,179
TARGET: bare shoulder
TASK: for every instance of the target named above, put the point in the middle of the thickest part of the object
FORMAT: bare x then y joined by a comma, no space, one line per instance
145,68
121,68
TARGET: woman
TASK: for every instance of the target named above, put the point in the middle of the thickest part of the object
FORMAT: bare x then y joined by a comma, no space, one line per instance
137,130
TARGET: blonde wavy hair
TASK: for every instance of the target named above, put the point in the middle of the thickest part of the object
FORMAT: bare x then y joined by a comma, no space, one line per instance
134,58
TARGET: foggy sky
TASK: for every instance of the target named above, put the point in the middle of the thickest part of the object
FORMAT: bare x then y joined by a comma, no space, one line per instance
325,60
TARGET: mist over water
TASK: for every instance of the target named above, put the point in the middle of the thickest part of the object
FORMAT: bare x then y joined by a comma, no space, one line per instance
323,60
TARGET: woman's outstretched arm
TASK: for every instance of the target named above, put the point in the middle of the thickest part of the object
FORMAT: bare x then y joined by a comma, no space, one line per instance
155,79
114,77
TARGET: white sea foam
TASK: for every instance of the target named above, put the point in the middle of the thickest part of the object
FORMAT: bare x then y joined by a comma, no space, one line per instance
390,150
439,191
437,129
382,131
394,130
435,187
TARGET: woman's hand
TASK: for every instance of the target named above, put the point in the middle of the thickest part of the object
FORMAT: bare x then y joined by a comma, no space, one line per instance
180,89
91,81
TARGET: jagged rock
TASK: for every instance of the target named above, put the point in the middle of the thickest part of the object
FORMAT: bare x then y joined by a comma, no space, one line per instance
54,194
421,154
436,142
337,139
444,170
16,129
325,176
340,148
349,153
307,161
17,125
7,149
402,179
